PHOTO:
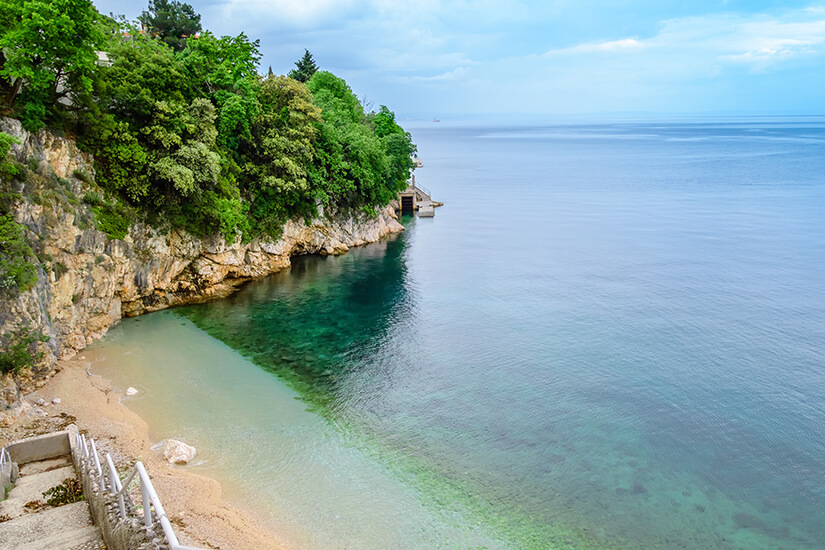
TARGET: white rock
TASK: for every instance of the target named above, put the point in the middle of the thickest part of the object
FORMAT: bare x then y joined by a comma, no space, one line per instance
131,391
56,401
41,413
178,452
40,402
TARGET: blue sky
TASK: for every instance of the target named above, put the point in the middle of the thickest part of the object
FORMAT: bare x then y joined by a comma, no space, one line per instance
555,57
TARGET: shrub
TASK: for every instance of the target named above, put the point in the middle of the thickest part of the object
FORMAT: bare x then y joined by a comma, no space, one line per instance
93,198
17,271
114,219
59,269
7,168
82,175
20,352
22,171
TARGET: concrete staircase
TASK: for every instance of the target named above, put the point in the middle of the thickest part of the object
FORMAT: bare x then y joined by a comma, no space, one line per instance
67,527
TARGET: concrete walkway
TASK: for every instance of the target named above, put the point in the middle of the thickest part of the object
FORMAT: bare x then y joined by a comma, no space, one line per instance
67,527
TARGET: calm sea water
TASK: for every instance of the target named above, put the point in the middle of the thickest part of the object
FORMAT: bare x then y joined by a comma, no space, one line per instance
612,336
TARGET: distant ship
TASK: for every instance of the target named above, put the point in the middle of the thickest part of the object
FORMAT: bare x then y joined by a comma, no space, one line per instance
436,120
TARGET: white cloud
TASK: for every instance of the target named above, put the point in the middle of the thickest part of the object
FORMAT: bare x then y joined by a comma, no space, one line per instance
766,42
719,40
611,46
459,73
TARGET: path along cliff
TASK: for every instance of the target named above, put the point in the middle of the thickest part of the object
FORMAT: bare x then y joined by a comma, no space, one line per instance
87,281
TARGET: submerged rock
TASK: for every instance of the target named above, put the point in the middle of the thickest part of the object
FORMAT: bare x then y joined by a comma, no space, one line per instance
747,521
178,452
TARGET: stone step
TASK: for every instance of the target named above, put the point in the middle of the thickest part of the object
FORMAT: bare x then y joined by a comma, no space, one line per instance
62,528
84,538
31,487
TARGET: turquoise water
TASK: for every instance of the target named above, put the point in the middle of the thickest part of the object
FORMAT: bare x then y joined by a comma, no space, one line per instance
610,336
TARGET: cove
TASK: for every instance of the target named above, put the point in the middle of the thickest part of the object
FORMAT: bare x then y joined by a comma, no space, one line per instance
609,337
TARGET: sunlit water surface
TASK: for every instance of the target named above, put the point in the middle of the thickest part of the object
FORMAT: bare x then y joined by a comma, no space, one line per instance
610,336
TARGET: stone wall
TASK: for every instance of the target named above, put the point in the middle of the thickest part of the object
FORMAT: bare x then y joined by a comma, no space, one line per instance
101,280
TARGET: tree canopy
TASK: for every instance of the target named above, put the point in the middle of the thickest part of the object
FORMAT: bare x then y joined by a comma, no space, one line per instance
304,68
183,129
171,21
48,52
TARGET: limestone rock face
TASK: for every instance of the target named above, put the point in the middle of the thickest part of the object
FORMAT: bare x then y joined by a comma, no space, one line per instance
178,452
87,282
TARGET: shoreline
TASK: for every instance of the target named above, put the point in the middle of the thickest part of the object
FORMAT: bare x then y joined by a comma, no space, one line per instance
194,502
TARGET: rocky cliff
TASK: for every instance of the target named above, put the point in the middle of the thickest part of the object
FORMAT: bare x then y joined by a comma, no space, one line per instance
87,282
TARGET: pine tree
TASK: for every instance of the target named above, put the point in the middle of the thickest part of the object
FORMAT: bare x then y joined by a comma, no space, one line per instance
172,21
305,68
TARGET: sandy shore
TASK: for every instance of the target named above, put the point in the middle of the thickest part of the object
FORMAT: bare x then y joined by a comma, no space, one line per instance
192,502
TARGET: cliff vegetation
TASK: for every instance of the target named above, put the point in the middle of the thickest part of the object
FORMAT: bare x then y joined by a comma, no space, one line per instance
183,129
146,164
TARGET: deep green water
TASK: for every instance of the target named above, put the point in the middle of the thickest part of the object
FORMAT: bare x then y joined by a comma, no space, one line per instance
611,337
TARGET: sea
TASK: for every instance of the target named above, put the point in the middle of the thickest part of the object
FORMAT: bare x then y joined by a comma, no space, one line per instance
611,336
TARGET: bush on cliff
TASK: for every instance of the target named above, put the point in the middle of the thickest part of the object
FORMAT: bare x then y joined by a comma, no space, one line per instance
17,270
20,352
191,136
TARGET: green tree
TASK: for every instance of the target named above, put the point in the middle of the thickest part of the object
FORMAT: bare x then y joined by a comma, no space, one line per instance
224,70
142,71
279,156
48,53
172,21
183,160
20,353
397,144
354,168
304,68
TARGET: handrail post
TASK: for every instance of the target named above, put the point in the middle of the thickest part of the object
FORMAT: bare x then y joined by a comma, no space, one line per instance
147,511
116,486
97,465
112,484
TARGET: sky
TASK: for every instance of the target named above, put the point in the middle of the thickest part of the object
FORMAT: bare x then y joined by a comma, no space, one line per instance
434,58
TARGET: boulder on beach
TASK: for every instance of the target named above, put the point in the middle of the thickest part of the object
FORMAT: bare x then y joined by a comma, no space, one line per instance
178,452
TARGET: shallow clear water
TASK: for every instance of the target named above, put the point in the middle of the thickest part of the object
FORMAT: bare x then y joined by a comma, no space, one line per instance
610,336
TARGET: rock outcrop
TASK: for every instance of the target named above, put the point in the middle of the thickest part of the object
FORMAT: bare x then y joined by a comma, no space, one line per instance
87,282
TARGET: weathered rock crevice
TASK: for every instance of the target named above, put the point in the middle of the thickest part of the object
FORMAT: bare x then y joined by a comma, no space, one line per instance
88,282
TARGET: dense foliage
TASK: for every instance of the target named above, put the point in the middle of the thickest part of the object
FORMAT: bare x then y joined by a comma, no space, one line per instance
48,53
184,130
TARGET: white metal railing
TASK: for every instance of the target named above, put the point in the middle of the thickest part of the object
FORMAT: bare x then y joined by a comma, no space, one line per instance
423,189
5,460
106,475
